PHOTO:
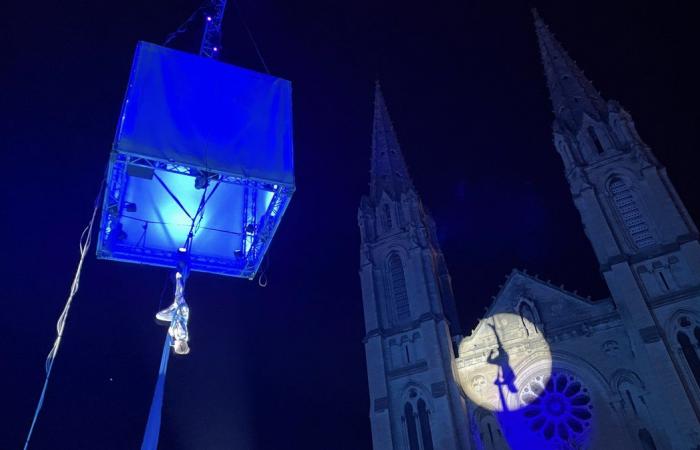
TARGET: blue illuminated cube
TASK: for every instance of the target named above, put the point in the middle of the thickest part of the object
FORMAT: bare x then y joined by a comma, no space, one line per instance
193,128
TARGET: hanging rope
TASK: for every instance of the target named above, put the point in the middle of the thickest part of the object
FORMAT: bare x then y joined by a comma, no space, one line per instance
252,40
85,241
185,25
263,278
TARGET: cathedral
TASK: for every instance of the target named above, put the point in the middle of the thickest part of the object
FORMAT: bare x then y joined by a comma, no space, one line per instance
544,368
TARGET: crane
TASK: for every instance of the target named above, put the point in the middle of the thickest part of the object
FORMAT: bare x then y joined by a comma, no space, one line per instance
211,39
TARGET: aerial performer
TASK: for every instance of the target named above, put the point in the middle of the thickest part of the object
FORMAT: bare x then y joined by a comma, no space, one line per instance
177,314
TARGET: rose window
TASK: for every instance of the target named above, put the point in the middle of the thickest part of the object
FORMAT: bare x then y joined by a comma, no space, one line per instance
558,408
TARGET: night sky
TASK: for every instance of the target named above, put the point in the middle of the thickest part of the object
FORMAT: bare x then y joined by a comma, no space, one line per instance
283,367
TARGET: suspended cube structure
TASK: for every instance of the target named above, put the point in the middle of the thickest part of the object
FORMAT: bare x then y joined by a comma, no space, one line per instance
194,128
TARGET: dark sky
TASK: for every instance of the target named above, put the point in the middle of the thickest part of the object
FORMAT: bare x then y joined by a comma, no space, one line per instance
283,366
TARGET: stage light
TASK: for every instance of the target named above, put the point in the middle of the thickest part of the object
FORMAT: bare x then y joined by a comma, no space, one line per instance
498,359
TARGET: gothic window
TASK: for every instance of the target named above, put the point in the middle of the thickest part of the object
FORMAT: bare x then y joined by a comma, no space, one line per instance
558,409
526,313
690,353
490,433
396,352
527,317
626,205
405,350
416,418
411,429
569,154
398,287
417,347
560,145
424,418
646,440
386,217
632,403
660,277
664,281
632,396
596,141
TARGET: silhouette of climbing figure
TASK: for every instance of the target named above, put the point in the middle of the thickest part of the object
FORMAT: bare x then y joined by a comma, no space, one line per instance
506,375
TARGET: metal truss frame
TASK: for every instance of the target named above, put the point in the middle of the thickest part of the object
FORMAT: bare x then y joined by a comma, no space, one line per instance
255,237
211,40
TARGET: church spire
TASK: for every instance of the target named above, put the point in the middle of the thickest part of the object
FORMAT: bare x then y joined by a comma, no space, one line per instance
389,171
572,94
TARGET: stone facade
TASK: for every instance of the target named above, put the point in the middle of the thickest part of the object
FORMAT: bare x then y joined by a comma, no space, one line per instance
544,368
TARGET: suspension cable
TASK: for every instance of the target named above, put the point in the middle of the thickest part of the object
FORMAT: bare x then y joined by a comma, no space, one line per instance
185,25
252,40
84,245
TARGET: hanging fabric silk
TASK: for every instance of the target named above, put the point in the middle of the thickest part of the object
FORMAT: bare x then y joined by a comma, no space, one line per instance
150,436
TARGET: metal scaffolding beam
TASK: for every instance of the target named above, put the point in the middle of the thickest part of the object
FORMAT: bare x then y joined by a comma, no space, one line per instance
211,40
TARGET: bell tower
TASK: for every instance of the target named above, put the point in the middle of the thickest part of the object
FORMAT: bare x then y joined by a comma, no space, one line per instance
627,202
410,315
644,239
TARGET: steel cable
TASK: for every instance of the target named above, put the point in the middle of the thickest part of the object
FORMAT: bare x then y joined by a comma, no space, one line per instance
84,245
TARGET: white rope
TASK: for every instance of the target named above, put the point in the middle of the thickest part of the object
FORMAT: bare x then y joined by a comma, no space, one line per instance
84,245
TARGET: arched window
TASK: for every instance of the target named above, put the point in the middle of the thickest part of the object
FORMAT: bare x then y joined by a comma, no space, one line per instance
596,142
490,433
386,217
646,439
424,419
664,281
626,205
630,399
491,441
629,388
527,317
635,407
690,354
411,429
563,150
398,287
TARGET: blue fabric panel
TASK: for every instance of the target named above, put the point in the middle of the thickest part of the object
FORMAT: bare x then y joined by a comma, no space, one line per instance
150,436
206,114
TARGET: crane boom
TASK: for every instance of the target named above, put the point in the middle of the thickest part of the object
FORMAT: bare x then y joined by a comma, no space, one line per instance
211,40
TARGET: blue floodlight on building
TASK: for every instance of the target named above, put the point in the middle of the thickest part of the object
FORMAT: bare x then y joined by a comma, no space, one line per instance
194,128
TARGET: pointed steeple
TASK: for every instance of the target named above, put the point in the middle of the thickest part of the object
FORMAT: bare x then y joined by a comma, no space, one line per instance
389,170
571,93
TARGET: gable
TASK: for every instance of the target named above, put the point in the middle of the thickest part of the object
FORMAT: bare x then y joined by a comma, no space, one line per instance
550,306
